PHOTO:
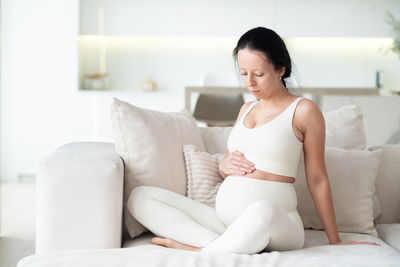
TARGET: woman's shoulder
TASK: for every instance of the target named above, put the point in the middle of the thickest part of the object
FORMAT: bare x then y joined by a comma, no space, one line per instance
308,112
307,107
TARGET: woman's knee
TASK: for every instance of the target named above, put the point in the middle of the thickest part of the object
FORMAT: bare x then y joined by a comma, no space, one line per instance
140,198
141,193
264,210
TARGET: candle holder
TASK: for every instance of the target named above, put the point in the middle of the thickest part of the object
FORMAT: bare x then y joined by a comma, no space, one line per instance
99,81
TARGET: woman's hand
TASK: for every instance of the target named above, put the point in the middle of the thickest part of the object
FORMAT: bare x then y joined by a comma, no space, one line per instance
357,243
234,163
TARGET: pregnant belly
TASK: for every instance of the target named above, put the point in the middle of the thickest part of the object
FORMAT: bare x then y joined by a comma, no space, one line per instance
236,193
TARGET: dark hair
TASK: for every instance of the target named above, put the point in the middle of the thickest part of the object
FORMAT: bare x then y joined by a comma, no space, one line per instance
271,44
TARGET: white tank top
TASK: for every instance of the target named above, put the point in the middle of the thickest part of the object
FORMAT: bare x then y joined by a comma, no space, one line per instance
272,147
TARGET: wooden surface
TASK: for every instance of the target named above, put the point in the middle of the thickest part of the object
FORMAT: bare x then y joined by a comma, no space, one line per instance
316,93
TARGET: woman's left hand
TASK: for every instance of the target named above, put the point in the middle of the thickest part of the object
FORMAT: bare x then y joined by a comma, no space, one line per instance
357,243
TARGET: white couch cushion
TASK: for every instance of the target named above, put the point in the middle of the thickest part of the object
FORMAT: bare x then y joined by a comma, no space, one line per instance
145,254
390,233
388,183
150,143
352,176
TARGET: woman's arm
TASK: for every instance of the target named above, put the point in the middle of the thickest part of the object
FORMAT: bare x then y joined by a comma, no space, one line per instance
311,123
313,129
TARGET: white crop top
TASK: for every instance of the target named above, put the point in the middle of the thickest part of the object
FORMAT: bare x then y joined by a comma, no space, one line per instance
272,147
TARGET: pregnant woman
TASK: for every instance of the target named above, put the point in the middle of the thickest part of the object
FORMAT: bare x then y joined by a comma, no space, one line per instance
256,203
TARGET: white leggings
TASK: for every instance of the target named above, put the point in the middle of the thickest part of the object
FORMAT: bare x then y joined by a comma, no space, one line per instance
250,216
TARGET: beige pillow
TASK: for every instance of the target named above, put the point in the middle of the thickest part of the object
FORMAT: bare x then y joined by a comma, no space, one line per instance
150,144
203,178
352,176
345,128
215,138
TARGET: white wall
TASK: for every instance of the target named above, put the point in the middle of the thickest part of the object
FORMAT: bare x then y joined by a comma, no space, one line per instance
39,80
328,18
176,62
177,42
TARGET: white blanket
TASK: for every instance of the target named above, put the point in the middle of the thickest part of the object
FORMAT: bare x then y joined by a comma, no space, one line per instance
140,252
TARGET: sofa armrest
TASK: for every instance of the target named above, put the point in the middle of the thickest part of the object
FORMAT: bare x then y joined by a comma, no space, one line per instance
79,192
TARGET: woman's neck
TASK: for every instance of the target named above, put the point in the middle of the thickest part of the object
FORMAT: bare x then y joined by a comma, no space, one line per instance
276,99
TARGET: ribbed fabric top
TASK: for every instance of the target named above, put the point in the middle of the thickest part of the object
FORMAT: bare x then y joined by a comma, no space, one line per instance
273,146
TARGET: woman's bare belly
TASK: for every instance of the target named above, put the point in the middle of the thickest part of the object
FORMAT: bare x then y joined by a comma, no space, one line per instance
262,175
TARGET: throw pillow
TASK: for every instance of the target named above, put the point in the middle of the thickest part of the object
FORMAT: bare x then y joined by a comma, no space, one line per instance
352,176
150,144
215,138
203,178
345,128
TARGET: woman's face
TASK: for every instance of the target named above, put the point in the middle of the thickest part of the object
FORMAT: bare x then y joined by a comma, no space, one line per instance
259,76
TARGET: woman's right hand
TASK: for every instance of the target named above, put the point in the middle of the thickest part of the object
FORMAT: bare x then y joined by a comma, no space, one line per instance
234,163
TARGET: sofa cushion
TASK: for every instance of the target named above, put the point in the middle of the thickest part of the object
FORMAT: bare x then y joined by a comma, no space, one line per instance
388,183
352,176
150,143
390,233
145,254
203,178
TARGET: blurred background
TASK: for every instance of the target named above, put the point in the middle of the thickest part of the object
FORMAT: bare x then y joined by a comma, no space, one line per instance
63,61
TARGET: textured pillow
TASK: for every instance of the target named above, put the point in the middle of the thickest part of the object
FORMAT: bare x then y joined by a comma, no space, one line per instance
150,144
352,176
345,128
203,178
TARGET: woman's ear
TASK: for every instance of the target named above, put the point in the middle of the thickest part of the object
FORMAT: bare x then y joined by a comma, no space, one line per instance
282,71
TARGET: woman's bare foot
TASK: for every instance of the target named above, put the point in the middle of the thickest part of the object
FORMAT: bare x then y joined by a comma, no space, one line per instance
170,243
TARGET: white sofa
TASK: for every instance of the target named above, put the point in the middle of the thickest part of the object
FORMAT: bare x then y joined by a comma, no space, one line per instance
80,221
